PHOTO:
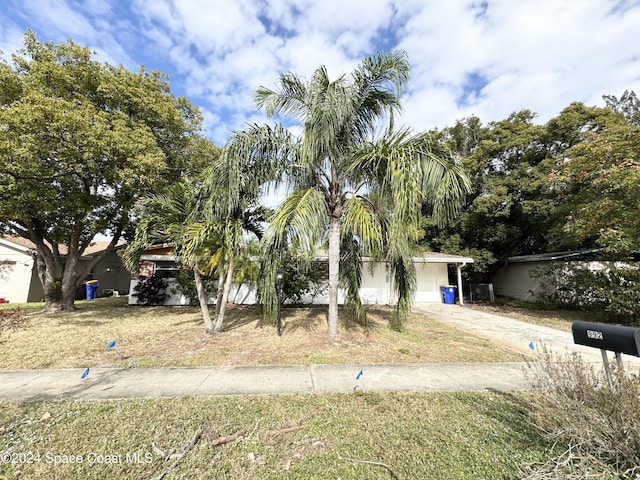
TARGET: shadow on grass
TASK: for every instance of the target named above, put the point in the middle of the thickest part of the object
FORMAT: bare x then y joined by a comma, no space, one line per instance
238,316
312,318
518,417
82,322
308,318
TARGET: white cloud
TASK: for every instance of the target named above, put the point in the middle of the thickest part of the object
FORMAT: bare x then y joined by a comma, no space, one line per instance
535,54
10,39
58,16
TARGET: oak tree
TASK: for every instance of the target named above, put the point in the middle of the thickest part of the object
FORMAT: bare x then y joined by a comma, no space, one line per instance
80,142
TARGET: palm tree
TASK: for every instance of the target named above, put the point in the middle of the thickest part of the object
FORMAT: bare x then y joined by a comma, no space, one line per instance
232,187
172,218
207,219
358,191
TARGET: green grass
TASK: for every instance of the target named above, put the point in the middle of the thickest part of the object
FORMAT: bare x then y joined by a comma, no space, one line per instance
419,436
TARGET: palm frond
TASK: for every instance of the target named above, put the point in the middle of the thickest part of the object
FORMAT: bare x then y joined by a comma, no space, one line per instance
403,272
251,160
290,98
361,219
351,275
301,219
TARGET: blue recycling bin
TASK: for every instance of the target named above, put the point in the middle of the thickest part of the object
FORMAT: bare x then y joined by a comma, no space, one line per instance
91,289
448,294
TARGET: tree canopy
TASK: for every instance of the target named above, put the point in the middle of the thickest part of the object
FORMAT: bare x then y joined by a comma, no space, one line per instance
570,183
80,142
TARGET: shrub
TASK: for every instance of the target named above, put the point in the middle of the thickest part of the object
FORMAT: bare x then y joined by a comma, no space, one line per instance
299,281
151,290
613,294
186,285
594,428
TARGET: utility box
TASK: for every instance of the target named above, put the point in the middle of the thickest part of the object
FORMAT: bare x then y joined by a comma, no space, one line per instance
613,338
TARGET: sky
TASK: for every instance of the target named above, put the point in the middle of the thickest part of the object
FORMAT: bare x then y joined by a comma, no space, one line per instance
469,57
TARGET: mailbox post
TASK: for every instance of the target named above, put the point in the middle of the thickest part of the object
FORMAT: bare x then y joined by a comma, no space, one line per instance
279,293
613,338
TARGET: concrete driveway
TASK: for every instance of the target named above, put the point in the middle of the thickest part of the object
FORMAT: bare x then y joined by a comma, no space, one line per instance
513,334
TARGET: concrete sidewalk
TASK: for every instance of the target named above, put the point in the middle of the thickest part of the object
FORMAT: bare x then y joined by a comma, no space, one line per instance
117,383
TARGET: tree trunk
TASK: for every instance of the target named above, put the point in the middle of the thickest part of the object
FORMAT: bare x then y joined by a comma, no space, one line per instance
334,268
225,296
51,282
202,298
69,280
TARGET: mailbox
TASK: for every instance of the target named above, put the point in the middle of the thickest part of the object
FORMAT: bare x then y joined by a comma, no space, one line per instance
613,338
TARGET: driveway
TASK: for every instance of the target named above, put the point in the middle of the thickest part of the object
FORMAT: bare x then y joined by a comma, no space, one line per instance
514,334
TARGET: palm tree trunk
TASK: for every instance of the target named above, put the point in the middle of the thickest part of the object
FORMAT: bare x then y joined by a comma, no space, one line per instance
225,296
202,298
334,267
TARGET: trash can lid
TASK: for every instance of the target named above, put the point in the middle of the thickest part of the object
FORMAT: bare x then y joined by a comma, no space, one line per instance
91,281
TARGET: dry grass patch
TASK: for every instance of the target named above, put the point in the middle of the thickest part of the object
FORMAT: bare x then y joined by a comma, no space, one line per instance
174,336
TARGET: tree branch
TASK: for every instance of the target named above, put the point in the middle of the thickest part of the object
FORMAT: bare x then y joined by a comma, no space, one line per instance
393,473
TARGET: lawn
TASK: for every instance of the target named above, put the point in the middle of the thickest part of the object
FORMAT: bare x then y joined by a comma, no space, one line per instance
485,435
174,336
360,435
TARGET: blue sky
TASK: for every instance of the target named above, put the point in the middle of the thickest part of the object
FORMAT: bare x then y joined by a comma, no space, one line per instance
487,58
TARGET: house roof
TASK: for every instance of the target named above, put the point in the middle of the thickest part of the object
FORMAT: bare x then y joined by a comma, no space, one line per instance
26,245
158,253
549,257
426,257
15,246
435,257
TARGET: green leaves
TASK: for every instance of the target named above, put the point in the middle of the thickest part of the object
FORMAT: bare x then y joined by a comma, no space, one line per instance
301,219
80,142
603,190
371,190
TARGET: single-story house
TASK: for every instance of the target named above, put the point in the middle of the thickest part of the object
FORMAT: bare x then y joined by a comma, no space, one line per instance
19,280
517,280
432,272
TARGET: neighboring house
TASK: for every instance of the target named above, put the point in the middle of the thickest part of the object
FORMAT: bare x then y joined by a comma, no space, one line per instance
432,272
517,280
19,280
113,277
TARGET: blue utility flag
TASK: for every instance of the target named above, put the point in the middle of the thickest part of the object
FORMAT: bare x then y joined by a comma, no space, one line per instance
86,372
111,344
359,375
531,346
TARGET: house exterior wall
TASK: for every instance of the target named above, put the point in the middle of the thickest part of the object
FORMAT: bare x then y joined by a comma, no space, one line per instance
376,287
429,278
112,274
515,281
15,279
242,295
36,291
